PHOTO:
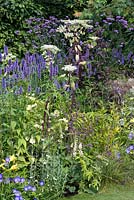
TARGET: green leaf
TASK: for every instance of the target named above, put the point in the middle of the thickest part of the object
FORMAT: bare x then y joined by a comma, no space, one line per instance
13,125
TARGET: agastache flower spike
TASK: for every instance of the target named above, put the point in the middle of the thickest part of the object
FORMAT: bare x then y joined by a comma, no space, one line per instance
4,83
5,50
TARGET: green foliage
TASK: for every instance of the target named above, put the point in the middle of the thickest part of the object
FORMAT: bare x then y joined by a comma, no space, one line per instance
12,16
60,8
91,173
55,173
121,7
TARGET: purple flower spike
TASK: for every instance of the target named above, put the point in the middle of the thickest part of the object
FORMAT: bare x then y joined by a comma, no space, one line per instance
5,50
56,83
129,55
1,176
29,89
20,90
37,90
4,83
0,57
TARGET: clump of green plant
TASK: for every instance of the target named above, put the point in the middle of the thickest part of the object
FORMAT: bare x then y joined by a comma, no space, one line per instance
12,16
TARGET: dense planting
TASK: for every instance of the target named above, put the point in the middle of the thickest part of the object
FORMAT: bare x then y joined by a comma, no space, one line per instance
66,98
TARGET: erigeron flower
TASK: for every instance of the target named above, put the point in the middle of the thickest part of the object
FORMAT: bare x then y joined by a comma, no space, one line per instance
69,68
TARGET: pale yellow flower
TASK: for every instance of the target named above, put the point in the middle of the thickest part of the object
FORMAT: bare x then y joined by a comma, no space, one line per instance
132,120
14,167
13,158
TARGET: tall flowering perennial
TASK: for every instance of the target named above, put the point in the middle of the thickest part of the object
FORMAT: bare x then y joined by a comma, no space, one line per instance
15,72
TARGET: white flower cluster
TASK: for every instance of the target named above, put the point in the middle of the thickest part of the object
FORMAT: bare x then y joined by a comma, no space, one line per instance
69,68
78,22
8,57
49,57
52,48
30,107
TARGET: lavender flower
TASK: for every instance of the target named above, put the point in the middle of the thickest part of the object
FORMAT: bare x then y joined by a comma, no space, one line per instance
4,83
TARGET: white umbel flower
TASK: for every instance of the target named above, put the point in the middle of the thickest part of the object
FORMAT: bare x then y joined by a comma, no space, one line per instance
69,68
50,47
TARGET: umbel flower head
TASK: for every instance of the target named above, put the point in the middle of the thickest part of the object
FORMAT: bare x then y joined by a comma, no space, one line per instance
51,48
69,68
